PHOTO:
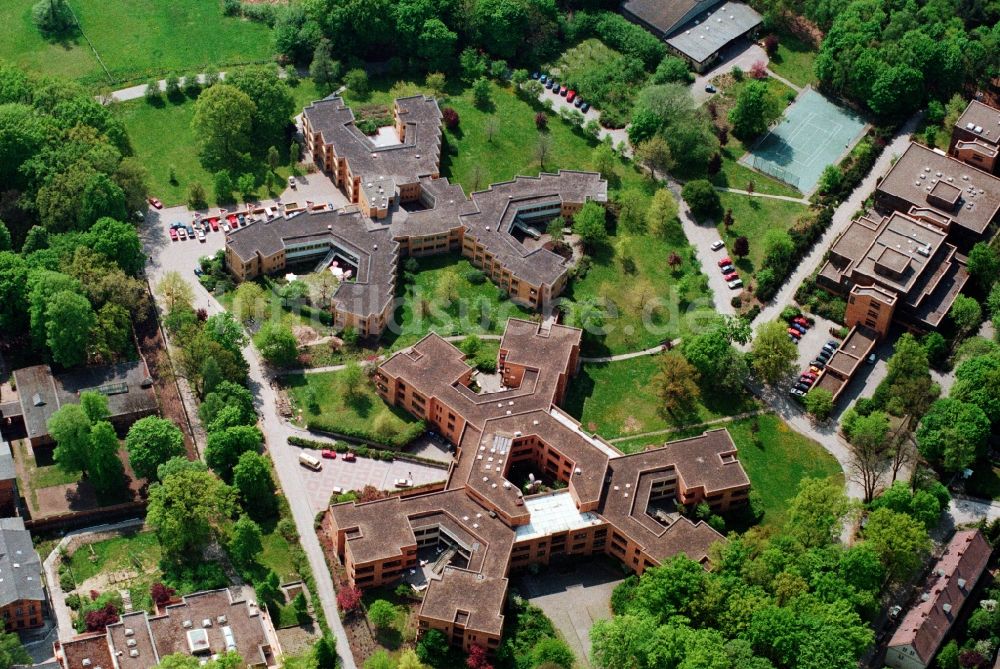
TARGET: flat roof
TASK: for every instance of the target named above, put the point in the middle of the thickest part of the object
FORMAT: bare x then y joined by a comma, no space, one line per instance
982,120
551,513
704,36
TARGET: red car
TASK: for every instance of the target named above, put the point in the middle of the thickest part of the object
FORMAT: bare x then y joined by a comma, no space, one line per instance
795,333
563,90
801,321
570,95
806,380
328,454
732,276
173,235
215,224
349,457
155,203
725,261
809,375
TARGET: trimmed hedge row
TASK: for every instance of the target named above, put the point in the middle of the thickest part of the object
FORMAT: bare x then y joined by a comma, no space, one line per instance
364,451
402,438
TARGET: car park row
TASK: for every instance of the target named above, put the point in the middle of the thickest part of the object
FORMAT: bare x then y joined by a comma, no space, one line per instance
552,84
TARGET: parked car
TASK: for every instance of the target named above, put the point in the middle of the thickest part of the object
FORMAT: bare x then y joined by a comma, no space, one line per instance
717,244
735,283
155,203
725,261
578,102
709,88
403,483
173,234
806,381
801,386
832,343
795,333
801,321
291,182
818,364
727,269
563,90
732,276
570,95
201,236
814,369
796,393
549,84
534,75
871,359
543,78
794,339
349,457
310,461
182,233
329,454
809,375
824,357
800,328
215,225
585,107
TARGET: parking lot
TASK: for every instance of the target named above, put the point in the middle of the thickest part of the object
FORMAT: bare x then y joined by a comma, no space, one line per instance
356,475
573,595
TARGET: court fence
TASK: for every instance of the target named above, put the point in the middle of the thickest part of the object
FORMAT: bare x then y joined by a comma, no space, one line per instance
769,168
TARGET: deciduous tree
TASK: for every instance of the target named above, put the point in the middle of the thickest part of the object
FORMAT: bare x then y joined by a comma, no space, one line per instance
224,448
187,509
223,120
150,442
773,352
953,434
676,385
252,479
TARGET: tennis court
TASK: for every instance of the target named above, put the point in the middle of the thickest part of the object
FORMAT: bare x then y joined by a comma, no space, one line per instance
812,134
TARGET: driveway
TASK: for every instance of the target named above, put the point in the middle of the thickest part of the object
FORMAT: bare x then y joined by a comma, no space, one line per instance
319,486
741,53
573,595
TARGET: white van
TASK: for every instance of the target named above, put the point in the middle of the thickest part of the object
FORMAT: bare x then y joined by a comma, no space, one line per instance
310,461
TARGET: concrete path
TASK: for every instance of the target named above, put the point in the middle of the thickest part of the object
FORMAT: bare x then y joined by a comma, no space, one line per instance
786,82
787,198
670,430
740,53
842,217
137,92
63,614
628,356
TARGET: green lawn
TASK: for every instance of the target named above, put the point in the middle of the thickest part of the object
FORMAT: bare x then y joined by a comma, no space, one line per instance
776,460
752,218
162,137
136,39
587,54
794,60
471,308
127,562
616,399
325,404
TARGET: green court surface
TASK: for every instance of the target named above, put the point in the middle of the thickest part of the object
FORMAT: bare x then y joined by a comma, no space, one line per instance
812,134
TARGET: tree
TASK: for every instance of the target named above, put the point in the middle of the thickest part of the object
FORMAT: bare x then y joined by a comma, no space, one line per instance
223,119
150,442
552,652
187,509
249,302
481,93
197,198
104,468
323,69
491,128
432,648
325,652
247,185
900,541
175,291
543,146
741,247
541,121
779,249
662,212
435,83
966,313
273,102
224,186
676,385
252,479
231,397
589,225
382,613
436,44
869,449
161,594
977,381
53,18
118,242
245,544
348,598
269,591
224,448
952,434
277,344
655,154
172,87
408,660
701,198
450,118
94,405
380,659
631,206
672,69
70,429
773,353
226,330
815,513
831,179
356,81
69,321
819,402
5,241
153,94
753,112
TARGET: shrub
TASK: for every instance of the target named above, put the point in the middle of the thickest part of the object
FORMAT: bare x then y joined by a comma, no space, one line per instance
541,120
450,117
771,44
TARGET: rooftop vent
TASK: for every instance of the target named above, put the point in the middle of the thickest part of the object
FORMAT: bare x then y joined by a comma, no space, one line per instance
86,662
186,624
129,631
207,622
961,583
131,643
37,400
133,653
946,608
970,126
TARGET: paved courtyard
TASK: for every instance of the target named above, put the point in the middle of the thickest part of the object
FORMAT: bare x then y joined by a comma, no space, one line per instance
318,486
573,595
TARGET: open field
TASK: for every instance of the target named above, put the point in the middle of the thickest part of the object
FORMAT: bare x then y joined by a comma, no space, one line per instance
776,459
136,39
794,60
752,218
616,399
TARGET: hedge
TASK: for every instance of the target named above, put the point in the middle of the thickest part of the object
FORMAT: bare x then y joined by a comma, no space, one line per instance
364,451
402,438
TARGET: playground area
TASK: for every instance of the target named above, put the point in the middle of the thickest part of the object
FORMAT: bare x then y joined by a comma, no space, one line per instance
812,134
